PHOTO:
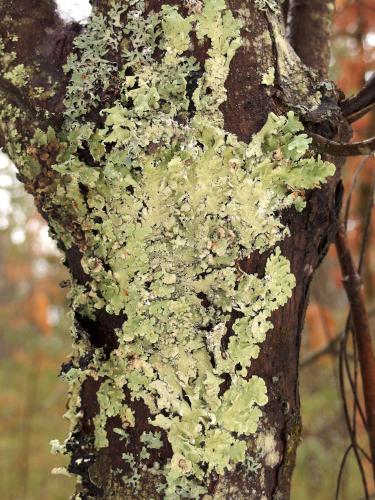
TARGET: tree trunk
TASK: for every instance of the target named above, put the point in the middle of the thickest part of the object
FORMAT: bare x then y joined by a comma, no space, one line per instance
170,161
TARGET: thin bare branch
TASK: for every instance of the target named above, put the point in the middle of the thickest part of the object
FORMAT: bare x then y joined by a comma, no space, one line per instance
363,102
344,365
331,348
352,380
353,185
361,328
367,225
341,472
334,148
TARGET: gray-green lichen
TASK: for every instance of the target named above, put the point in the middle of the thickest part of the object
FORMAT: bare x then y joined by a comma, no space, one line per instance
18,75
272,5
164,210
268,78
294,78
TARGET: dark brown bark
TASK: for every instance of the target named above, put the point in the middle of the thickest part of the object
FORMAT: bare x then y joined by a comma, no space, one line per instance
46,41
310,24
43,43
285,9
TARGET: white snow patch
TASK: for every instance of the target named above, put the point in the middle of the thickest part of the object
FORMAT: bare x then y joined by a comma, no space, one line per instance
74,10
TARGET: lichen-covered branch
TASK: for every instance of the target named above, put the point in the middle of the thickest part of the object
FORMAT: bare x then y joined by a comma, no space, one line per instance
33,46
177,177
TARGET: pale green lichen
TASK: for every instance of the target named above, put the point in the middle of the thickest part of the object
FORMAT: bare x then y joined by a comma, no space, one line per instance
60,471
267,449
110,398
167,207
9,115
152,440
93,70
56,447
295,79
268,78
7,57
18,75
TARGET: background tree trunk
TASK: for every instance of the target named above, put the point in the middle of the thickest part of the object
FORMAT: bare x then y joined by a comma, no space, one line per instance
36,46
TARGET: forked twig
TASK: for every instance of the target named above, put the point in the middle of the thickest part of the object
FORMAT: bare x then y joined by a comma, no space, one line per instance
361,329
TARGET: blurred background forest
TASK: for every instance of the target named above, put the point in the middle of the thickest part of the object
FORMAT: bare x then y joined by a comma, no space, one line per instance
34,324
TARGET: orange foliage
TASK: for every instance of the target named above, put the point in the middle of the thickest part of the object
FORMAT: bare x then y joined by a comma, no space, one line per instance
29,293
39,304
321,326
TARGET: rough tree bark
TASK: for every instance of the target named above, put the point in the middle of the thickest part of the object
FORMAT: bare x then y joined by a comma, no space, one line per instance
115,449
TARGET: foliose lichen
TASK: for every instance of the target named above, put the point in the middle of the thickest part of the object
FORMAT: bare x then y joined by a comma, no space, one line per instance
18,75
165,203
268,78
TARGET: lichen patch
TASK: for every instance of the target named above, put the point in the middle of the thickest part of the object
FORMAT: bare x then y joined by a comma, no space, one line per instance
164,203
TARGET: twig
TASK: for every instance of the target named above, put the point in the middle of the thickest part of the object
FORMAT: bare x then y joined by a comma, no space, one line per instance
361,328
334,148
367,225
351,431
365,239
359,105
353,185
352,381
356,403
344,362
329,348
341,471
